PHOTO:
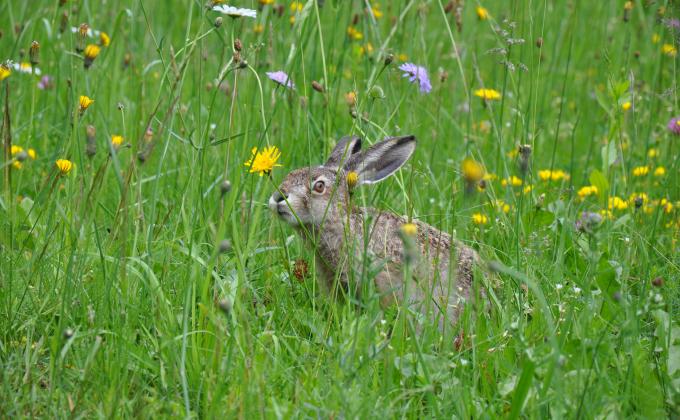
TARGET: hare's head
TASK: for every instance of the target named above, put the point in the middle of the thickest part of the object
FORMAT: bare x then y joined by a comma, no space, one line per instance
309,196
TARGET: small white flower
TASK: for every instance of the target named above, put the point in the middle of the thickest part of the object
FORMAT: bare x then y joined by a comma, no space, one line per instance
25,68
558,286
90,32
577,290
235,11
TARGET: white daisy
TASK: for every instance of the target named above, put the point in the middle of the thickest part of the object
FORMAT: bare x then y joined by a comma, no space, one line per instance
235,11
25,68
90,32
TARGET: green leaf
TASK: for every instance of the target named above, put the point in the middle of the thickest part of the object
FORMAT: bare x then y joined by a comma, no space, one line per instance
609,154
598,179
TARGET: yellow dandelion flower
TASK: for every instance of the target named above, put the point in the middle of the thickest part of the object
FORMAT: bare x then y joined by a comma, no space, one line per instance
640,170
587,191
64,165
291,19
488,94
104,39
626,106
84,102
607,214
402,57
409,229
659,171
296,6
616,203
15,149
354,34
472,170
528,189
377,13
643,198
480,219
17,164
31,153
263,161
628,5
669,50
482,13
351,99
258,29
503,206
666,205
116,141
5,72
512,181
652,153
352,179
266,2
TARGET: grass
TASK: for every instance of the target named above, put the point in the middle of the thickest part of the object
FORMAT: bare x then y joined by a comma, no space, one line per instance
117,302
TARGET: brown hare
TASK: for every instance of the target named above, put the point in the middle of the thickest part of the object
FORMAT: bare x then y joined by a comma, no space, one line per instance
411,267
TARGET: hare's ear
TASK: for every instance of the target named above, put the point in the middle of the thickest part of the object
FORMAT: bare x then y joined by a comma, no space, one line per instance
382,159
343,151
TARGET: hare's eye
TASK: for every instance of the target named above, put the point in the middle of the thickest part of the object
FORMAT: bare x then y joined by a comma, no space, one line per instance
319,187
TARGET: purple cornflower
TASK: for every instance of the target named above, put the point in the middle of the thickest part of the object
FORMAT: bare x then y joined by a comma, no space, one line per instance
419,73
281,78
674,126
45,83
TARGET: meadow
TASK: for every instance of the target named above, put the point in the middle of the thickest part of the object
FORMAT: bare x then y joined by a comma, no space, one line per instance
143,275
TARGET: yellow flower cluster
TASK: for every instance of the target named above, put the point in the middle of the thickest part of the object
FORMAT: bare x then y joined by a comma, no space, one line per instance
354,34
482,13
480,219
640,170
587,191
617,203
556,175
512,181
20,155
503,206
669,50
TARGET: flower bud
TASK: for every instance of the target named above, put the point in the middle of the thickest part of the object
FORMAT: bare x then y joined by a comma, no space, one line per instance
34,53
238,45
218,22
317,86
225,187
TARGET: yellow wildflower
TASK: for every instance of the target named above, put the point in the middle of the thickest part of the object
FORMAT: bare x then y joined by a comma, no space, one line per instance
296,6
409,229
607,214
480,219
64,165
512,181
528,189
626,106
669,50
263,161
15,149
91,52
376,11
402,57
503,206
482,13
291,19
472,170
116,141
616,203
266,2
366,49
659,171
354,34
31,153
556,175
586,191
84,102
258,29
656,38
351,99
666,205
104,39
640,170
352,179
652,153
488,94
4,72
643,198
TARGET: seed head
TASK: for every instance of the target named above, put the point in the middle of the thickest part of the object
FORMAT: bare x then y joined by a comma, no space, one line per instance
300,270
658,282
225,187
218,21
238,45
317,86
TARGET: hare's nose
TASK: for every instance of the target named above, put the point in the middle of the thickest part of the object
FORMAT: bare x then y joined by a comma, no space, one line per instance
279,196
